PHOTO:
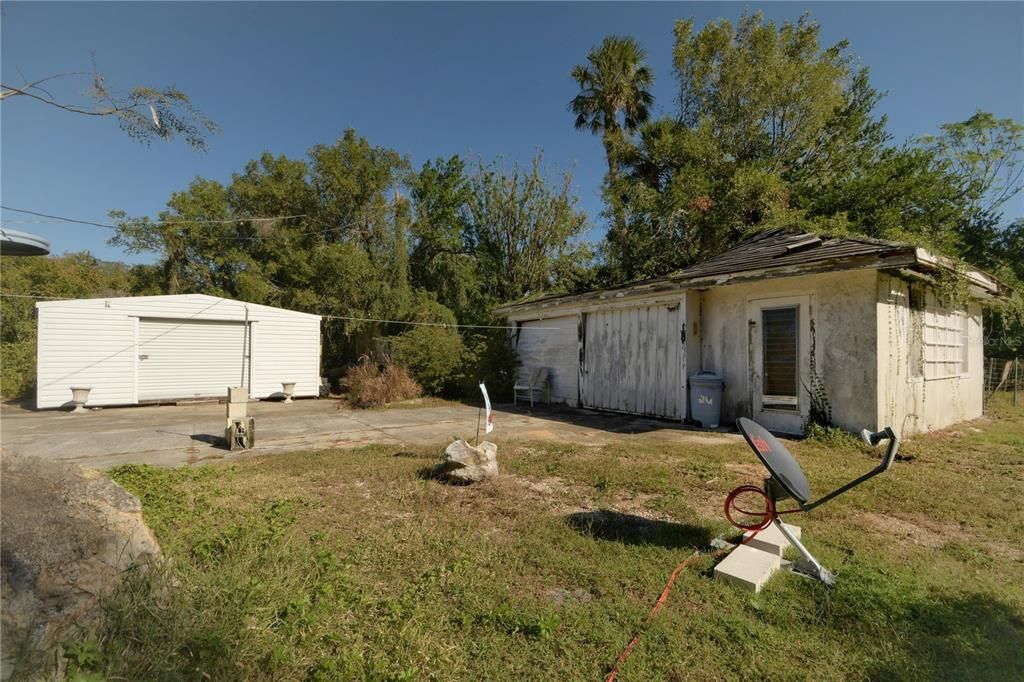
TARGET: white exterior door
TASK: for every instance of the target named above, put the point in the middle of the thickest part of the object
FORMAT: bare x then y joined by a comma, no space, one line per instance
780,361
191,358
633,360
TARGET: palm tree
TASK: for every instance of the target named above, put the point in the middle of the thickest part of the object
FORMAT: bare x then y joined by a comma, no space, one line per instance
613,82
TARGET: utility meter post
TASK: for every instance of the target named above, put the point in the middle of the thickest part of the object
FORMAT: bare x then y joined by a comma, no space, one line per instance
240,428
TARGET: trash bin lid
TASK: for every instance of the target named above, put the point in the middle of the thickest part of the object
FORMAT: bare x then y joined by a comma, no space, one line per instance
706,378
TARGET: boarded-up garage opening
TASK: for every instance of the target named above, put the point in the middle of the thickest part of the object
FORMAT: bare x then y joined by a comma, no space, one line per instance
633,361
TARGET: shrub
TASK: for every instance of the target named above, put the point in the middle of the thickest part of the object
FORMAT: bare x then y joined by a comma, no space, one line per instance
489,357
433,355
830,436
374,384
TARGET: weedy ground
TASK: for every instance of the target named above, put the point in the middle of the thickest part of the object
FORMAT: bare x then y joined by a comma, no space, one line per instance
352,564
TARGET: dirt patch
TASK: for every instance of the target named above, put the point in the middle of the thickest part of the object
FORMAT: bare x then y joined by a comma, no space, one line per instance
1004,550
920,530
747,470
562,597
638,504
553,492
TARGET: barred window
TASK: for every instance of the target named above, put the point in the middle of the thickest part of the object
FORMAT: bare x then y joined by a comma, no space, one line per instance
943,341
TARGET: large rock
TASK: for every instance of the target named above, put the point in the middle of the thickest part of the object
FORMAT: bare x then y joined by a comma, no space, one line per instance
465,463
67,534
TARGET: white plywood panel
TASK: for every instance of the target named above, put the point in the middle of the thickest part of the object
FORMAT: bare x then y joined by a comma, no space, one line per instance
190,358
632,360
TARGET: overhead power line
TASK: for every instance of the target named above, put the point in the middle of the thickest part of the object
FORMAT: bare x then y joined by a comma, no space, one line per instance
61,219
33,296
80,221
343,317
111,226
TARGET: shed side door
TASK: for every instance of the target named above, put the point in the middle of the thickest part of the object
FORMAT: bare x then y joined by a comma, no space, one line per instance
191,358
633,361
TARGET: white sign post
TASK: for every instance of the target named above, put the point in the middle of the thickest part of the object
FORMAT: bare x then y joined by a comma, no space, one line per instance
489,424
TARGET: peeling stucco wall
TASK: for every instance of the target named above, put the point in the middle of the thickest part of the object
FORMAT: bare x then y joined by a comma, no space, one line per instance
842,308
912,404
861,337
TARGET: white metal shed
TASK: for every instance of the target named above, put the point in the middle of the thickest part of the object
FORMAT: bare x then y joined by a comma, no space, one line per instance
157,348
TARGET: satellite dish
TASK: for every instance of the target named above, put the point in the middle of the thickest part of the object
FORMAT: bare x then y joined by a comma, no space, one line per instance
786,480
776,459
15,243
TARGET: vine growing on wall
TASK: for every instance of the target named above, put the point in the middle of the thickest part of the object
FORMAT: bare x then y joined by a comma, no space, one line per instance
820,411
951,287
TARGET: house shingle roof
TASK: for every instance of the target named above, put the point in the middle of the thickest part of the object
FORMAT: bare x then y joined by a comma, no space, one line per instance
784,248
780,252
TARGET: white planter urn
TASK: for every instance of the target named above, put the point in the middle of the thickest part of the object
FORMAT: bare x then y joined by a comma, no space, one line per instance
288,388
79,396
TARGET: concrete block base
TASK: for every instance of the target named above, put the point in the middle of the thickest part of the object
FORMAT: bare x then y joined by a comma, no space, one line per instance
771,539
748,567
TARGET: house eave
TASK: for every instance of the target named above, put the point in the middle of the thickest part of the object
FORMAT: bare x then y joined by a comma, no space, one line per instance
669,283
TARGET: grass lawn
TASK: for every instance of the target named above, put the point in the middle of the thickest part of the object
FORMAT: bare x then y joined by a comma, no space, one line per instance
349,565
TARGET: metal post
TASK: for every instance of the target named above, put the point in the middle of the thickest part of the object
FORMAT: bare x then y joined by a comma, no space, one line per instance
808,565
986,391
1016,380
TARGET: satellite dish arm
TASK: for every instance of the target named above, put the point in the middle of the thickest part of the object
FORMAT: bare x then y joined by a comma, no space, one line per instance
871,439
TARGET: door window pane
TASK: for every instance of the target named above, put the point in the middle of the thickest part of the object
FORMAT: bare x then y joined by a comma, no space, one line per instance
780,353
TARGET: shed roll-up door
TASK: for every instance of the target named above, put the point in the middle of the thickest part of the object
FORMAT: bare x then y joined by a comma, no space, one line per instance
191,358
633,361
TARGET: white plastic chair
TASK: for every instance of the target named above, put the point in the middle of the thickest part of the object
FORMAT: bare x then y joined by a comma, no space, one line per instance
539,382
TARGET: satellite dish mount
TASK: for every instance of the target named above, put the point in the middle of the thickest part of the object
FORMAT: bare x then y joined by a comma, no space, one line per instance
786,480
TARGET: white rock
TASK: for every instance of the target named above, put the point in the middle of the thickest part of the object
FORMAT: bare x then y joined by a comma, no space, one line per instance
465,463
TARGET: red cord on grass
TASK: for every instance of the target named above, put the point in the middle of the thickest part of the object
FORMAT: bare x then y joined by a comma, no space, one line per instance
765,519
657,607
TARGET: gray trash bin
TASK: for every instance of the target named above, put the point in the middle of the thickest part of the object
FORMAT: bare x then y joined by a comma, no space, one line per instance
706,399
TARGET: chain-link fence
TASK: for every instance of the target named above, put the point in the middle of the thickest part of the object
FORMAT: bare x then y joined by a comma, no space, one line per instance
1004,382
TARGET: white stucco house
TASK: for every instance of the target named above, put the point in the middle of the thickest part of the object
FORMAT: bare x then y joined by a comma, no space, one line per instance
148,349
776,316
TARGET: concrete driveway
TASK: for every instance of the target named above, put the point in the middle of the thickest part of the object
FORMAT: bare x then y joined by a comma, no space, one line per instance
171,435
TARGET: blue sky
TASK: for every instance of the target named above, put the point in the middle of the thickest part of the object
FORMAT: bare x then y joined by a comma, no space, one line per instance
426,79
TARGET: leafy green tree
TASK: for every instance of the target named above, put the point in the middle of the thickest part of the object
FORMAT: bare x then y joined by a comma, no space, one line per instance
73,275
522,228
773,129
328,235
905,194
441,259
987,156
614,92
434,356
766,91
988,153
198,247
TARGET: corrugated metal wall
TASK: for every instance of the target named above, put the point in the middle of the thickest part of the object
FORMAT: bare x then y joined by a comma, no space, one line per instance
96,343
551,343
188,358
